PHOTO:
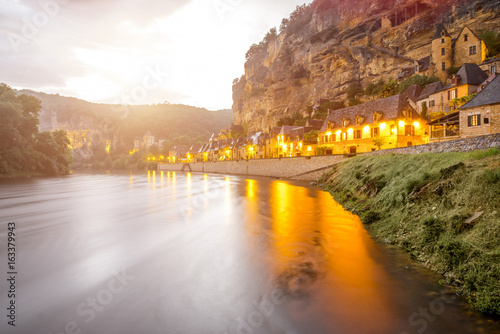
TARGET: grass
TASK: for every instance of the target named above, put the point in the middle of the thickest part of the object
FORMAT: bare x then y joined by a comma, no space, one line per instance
441,208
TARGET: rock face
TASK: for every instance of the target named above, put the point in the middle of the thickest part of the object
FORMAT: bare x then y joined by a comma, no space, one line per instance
340,42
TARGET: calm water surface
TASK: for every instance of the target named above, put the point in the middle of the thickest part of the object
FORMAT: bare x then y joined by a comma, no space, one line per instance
194,253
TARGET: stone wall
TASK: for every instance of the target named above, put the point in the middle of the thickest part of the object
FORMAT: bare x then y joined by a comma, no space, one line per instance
458,145
311,168
297,168
491,112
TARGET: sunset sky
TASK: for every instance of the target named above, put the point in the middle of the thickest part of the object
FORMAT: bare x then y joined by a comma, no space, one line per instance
132,51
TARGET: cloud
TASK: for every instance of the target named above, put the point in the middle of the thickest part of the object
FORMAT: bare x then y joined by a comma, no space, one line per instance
64,45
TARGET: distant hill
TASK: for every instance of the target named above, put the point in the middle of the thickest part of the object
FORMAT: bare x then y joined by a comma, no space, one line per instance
122,124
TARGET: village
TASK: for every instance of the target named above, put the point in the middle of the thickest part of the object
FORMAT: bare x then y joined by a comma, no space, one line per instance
461,105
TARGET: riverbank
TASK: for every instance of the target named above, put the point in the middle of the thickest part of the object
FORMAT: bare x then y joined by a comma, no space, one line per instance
441,208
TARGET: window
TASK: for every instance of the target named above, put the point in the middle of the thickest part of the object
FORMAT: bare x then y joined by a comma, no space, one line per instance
442,40
443,66
375,132
486,120
344,135
466,38
493,69
345,122
453,94
357,134
432,103
359,120
409,143
393,129
474,120
409,130
472,50
442,51
417,68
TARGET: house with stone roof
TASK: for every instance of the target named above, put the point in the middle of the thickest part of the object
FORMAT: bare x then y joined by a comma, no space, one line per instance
390,121
481,115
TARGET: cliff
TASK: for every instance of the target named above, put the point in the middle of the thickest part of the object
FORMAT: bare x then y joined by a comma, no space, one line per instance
331,43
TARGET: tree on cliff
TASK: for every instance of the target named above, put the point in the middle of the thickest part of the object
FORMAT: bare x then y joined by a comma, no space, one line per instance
22,147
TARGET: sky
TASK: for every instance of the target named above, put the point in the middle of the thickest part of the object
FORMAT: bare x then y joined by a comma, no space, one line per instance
133,51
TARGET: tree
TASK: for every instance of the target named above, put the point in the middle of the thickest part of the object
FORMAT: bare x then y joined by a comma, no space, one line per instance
311,135
417,79
354,89
390,88
378,141
492,41
424,110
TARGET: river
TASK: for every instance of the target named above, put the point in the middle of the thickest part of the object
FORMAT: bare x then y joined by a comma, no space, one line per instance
161,252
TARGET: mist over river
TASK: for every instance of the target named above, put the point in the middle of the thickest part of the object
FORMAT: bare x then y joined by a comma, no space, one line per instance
158,252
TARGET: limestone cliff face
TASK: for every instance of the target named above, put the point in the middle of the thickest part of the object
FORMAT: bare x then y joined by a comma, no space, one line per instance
343,41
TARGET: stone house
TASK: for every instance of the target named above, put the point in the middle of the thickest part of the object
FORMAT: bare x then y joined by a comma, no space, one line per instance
466,82
491,66
391,121
447,52
481,115
424,102
300,146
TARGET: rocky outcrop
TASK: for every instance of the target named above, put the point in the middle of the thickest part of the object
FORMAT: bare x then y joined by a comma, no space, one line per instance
340,42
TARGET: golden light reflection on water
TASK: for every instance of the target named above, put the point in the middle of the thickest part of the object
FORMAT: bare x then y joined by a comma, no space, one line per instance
131,181
309,227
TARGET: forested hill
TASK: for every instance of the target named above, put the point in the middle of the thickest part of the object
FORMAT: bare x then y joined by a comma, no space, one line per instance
122,124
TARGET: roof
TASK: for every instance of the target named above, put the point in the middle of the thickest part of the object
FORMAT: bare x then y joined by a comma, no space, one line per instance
489,95
439,29
314,122
237,128
470,74
424,63
413,92
450,118
472,31
390,108
195,148
430,89
285,129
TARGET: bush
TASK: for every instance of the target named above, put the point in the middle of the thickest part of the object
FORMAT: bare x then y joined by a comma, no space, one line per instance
371,217
432,229
452,253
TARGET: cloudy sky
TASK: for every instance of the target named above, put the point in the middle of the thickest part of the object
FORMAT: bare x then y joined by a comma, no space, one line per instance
133,51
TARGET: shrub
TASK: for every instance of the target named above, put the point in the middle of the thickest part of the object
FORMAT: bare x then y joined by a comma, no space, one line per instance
371,217
432,229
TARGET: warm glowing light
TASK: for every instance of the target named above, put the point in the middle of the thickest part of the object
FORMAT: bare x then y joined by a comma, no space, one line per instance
366,129
329,133
154,158
309,148
149,158
189,156
350,131
416,124
108,146
382,126
300,145
401,123
162,157
338,133
130,152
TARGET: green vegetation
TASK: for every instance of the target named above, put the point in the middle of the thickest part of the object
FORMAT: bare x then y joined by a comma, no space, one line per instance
492,41
374,88
311,135
443,209
23,149
417,79
460,101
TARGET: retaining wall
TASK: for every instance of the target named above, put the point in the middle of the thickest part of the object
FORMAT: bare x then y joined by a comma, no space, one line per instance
311,168
280,167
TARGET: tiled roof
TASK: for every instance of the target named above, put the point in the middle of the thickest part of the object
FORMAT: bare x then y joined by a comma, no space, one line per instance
439,29
314,122
470,74
489,95
285,129
390,108
413,92
430,89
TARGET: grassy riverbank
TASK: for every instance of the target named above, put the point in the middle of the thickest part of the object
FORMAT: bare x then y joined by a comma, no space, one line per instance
444,209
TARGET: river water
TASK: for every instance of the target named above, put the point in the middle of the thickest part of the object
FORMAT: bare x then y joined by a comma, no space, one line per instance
195,253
